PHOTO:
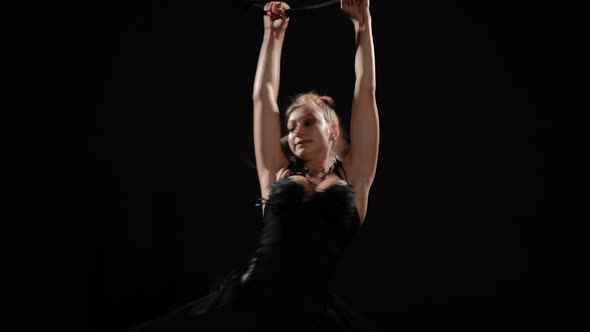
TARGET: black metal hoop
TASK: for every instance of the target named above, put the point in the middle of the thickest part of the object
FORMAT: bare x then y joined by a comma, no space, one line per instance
327,5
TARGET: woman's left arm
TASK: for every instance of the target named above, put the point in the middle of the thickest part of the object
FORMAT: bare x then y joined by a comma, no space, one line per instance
364,127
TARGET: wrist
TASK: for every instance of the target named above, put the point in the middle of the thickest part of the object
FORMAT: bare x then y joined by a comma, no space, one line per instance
274,33
362,22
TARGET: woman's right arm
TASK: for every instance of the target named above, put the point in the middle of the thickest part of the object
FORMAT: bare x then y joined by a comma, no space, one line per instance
267,132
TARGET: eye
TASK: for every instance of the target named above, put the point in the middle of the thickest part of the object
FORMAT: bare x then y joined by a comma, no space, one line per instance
309,122
290,129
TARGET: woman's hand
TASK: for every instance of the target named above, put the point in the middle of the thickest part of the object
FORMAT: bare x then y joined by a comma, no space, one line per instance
358,10
276,18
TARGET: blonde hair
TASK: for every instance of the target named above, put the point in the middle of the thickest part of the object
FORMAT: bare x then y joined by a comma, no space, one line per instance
326,105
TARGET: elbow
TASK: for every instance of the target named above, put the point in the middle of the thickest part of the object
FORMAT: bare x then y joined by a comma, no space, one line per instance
365,85
365,90
262,92
257,94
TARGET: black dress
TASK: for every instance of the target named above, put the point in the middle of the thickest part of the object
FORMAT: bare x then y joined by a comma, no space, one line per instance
286,285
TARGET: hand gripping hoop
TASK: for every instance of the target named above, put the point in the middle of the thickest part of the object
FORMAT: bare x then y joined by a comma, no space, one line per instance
297,11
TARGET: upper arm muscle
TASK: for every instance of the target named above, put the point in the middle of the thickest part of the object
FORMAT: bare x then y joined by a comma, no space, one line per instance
267,140
364,139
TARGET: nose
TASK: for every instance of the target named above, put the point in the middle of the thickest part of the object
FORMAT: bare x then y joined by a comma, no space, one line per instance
297,130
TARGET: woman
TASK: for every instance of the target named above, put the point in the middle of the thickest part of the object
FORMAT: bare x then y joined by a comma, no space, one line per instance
314,200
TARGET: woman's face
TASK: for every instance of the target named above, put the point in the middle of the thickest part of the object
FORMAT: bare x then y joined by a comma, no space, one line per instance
310,136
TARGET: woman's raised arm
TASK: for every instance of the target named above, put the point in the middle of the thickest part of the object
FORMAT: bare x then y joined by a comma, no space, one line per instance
267,131
364,119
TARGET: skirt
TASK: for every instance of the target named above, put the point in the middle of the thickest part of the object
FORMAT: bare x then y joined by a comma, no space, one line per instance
255,308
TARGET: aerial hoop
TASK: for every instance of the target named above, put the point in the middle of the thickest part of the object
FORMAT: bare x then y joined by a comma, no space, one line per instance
320,7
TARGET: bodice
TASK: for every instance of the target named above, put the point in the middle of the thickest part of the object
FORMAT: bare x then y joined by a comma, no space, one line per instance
302,238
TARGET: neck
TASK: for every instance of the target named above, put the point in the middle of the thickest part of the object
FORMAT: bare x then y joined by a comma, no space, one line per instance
319,168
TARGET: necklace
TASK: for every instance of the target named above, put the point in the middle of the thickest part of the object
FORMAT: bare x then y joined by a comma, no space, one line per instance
314,178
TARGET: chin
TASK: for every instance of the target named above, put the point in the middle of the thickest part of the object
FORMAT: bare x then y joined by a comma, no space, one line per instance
301,154
307,155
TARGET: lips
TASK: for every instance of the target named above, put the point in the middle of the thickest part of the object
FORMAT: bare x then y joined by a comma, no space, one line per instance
302,142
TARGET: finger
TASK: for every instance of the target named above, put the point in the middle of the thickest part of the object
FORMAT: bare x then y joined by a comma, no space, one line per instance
273,16
283,14
274,12
269,9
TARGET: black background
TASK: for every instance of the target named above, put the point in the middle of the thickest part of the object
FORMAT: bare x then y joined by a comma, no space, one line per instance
129,160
